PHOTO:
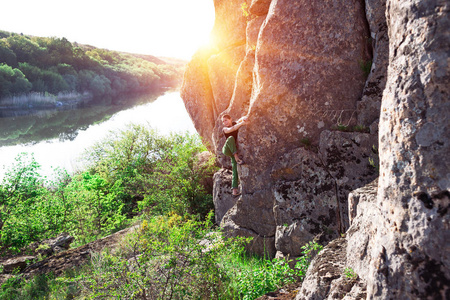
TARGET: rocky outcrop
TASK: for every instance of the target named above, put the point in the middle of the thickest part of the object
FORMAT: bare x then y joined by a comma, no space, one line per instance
53,245
413,229
310,69
297,74
398,242
17,264
58,263
329,277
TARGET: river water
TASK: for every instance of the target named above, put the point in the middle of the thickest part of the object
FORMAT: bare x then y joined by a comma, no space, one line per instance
57,138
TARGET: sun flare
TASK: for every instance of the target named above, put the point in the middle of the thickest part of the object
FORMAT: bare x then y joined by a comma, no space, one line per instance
171,28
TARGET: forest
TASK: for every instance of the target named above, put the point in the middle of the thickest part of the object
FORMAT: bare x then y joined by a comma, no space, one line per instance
50,67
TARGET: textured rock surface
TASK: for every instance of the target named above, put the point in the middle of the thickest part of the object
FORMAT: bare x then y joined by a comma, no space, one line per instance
312,187
399,239
300,75
296,94
223,199
53,245
260,7
199,100
327,278
411,257
378,45
222,69
16,264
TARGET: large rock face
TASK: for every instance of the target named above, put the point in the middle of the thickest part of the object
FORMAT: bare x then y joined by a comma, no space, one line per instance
296,73
413,231
399,239
302,69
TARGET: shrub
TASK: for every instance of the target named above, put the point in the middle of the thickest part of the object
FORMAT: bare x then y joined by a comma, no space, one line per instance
309,251
168,257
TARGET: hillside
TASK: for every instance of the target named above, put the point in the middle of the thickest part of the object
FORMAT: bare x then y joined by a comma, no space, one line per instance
31,65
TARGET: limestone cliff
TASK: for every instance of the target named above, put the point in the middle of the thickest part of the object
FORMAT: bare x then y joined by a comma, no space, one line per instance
299,75
306,73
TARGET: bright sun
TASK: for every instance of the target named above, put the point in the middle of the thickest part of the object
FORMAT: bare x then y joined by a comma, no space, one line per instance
173,28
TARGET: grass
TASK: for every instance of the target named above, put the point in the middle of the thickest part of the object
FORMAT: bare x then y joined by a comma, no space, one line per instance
356,128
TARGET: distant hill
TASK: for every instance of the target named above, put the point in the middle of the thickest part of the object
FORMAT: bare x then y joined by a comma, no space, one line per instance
30,64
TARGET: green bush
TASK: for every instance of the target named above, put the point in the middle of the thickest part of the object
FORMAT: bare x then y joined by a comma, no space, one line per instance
168,257
133,169
158,173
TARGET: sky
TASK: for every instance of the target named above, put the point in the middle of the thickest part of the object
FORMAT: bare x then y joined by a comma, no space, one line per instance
171,28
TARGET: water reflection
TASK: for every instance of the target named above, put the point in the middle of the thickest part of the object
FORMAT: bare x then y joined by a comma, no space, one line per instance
57,138
32,126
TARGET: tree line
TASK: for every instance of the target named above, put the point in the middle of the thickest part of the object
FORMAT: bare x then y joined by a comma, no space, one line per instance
55,65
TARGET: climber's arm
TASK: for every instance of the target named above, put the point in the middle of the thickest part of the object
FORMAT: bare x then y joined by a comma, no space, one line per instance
242,121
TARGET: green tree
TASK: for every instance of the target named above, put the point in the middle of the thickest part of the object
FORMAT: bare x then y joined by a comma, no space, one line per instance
7,56
26,50
20,191
12,81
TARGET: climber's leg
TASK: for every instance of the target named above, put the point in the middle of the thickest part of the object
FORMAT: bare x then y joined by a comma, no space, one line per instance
234,181
229,149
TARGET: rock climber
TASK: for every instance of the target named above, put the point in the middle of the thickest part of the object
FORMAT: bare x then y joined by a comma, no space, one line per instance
230,148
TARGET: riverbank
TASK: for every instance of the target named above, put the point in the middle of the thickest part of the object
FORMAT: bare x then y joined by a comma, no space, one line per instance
58,136
44,100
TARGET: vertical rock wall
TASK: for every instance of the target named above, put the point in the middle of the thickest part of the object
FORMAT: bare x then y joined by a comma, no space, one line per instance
411,259
399,240
296,69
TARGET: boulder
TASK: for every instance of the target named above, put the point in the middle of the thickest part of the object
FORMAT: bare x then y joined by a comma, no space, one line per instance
300,75
329,278
17,264
222,193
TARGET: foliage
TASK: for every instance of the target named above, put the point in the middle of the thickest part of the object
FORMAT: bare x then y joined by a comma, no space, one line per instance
133,167
21,199
169,257
356,128
349,273
176,253
262,276
172,257
55,65
12,80
306,142
160,174
309,251
374,162
365,66
41,286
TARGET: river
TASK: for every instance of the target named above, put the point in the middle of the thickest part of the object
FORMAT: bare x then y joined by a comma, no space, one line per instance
58,137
